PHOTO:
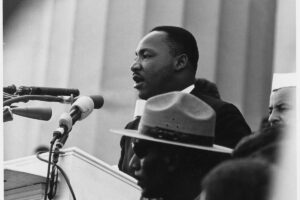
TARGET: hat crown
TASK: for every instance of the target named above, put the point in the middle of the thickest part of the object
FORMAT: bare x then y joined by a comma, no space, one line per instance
179,112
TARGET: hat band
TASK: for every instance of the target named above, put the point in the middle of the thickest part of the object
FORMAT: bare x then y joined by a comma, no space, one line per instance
176,136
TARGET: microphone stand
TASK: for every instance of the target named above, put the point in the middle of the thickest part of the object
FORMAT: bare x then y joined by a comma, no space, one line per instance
61,133
56,135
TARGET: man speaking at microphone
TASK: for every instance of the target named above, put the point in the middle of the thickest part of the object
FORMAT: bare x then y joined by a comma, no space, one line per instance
166,60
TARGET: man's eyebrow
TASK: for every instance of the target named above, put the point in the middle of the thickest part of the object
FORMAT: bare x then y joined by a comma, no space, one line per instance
143,50
280,104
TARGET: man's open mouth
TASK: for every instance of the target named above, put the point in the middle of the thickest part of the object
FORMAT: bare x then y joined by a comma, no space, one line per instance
139,80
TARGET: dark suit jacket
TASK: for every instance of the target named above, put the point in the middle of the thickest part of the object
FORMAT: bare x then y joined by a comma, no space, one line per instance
230,128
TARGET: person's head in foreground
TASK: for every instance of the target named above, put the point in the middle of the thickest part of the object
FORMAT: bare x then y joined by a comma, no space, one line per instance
243,179
174,146
166,60
265,144
282,105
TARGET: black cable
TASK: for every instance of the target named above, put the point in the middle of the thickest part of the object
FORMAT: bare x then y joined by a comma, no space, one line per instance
62,172
53,183
54,171
67,181
56,135
56,181
48,170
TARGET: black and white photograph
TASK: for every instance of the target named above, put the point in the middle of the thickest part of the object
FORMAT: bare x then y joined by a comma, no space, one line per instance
149,100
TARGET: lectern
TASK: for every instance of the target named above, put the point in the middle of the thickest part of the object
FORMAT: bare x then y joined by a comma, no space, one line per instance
91,178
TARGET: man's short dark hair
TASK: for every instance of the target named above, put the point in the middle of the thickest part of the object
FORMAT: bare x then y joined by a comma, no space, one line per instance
239,179
181,41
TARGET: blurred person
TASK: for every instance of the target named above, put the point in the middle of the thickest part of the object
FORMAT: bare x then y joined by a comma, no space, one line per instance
265,144
166,60
174,146
264,123
285,179
243,179
282,105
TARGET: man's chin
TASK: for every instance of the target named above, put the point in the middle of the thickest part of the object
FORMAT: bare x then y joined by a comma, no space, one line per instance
143,95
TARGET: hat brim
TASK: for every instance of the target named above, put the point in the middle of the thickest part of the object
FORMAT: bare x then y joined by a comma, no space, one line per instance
136,134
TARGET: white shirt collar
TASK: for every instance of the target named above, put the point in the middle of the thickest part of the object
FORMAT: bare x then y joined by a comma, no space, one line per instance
188,89
140,103
139,107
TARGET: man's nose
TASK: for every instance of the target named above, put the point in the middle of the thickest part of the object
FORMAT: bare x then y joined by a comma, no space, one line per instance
274,118
136,66
134,162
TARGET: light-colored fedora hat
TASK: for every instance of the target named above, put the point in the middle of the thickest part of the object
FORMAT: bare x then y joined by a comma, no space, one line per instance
177,118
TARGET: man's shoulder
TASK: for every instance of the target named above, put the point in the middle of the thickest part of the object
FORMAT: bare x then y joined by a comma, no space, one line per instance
222,108
133,124
215,103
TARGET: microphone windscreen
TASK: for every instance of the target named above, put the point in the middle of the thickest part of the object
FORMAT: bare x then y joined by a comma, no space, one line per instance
98,101
34,113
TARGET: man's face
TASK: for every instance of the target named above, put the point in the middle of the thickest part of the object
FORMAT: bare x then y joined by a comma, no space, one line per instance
282,108
151,168
153,66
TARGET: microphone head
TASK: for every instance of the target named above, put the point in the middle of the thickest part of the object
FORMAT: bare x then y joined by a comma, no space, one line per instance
86,104
34,113
66,120
98,101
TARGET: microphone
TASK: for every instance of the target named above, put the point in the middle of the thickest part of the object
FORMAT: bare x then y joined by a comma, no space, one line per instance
84,105
33,112
11,89
24,90
80,109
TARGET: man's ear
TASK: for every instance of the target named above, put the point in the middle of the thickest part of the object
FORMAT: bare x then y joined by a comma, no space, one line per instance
181,62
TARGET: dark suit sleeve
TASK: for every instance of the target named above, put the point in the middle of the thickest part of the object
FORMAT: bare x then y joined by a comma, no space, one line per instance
126,155
126,149
122,145
231,126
